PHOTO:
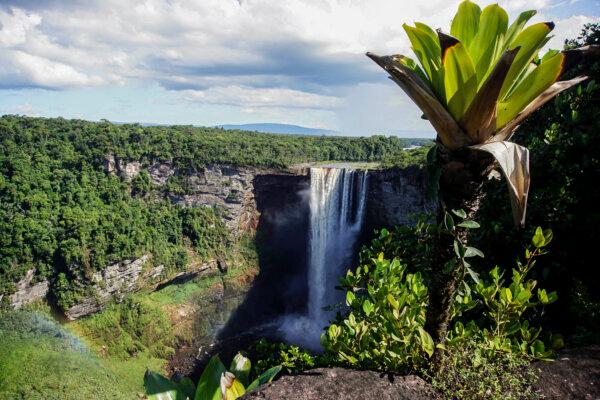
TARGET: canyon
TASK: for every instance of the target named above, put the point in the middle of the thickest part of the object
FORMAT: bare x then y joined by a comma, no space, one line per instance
272,206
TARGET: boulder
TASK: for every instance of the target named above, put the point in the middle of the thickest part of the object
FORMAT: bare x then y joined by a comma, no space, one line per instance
339,383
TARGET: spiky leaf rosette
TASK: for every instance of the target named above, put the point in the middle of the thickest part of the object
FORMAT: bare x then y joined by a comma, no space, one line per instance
477,84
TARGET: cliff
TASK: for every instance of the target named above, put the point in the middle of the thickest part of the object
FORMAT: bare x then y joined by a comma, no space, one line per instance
270,201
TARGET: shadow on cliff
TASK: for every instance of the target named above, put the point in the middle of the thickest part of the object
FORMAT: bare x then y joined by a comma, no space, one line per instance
281,238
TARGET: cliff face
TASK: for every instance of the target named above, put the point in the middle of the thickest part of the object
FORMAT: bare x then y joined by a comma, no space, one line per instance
395,195
272,203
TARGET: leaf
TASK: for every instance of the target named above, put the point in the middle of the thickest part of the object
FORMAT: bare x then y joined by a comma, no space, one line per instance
187,388
469,224
460,80
460,213
209,385
506,132
349,298
466,22
449,133
448,221
160,388
530,40
426,342
479,121
517,26
487,46
367,307
514,162
427,49
240,367
538,239
265,377
540,79
231,387
472,252
474,275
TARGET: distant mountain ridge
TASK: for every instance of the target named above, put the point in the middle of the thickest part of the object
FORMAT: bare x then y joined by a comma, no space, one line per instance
279,128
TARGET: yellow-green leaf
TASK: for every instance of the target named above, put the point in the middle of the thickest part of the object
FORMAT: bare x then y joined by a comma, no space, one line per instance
517,26
426,342
460,81
428,52
209,383
540,79
487,46
530,40
466,22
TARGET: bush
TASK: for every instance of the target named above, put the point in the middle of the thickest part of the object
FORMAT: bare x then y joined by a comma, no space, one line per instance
291,358
491,335
134,326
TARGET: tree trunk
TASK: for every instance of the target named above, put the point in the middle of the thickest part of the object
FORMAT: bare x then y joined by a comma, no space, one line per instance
461,182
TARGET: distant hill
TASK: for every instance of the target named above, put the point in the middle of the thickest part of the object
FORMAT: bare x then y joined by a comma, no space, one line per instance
279,128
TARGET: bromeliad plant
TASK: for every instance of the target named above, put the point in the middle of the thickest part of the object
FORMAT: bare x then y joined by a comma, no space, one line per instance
476,85
216,382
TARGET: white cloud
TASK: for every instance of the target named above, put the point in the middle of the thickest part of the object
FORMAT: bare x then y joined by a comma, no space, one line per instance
251,98
251,54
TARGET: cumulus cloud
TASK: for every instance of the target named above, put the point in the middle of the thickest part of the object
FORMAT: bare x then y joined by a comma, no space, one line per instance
249,54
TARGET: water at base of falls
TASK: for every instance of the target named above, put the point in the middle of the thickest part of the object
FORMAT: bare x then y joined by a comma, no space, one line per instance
337,207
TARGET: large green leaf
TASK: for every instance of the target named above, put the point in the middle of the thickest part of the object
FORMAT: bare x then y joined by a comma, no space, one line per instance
187,387
487,46
479,121
209,385
427,49
540,79
265,377
506,132
530,40
517,26
460,81
160,388
466,22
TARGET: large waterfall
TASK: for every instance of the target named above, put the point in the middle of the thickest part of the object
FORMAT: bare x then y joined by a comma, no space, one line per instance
337,206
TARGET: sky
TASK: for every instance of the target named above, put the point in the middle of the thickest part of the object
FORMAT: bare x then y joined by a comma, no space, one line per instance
210,62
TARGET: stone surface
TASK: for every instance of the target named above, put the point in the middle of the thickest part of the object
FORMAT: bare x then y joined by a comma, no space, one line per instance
120,279
575,374
342,384
395,195
28,292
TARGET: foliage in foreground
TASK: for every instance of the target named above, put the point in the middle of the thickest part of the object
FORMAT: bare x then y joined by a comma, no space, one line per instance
565,147
216,382
383,326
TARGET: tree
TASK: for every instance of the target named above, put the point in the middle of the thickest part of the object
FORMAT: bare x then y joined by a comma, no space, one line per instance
476,86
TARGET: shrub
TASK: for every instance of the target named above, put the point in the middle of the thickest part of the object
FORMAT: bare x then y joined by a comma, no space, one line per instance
129,328
291,358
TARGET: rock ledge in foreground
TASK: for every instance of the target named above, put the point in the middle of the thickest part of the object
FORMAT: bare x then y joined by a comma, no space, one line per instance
339,383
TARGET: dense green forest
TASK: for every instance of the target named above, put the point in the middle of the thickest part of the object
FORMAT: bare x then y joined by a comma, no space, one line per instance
65,216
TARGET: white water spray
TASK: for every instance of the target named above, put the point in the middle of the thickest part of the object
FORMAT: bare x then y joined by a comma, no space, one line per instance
337,207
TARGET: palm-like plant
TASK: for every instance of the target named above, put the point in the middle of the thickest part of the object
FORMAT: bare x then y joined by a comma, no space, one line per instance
476,86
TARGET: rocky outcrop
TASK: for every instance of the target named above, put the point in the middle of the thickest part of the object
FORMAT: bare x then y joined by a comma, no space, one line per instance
575,374
120,279
28,292
395,196
113,282
342,384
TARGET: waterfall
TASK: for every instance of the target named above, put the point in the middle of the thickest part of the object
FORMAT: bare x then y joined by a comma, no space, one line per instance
337,204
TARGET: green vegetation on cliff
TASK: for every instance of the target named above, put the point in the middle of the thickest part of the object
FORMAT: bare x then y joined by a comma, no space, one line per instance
65,216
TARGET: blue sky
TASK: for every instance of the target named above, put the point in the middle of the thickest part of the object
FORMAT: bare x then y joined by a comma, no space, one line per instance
209,62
